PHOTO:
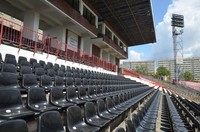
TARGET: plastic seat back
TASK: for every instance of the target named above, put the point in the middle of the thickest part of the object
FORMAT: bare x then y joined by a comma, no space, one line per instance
100,106
39,72
32,60
82,92
50,122
25,70
71,93
8,68
8,80
69,81
36,96
51,72
21,58
42,63
89,109
10,98
109,103
56,94
77,81
10,59
17,125
46,82
29,80
60,73
74,117
59,81
62,68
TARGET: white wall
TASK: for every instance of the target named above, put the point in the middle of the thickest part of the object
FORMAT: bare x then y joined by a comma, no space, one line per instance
87,45
58,33
105,55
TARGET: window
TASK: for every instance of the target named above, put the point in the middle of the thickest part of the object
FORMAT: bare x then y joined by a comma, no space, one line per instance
108,33
74,4
115,40
121,45
89,16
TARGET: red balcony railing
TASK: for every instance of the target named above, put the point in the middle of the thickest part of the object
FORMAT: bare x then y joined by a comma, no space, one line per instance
22,37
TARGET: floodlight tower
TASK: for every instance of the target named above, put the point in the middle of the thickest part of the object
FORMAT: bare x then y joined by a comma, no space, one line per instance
177,24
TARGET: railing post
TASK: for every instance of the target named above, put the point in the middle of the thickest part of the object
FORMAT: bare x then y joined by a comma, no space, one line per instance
20,39
1,32
58,48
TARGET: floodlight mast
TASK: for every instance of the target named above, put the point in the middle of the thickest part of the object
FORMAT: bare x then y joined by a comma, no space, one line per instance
177,24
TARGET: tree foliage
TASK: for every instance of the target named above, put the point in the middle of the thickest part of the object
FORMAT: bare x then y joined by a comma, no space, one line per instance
162,71
142,69
187,76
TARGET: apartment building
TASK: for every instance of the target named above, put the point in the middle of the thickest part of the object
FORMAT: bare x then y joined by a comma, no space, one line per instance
189,64
150,65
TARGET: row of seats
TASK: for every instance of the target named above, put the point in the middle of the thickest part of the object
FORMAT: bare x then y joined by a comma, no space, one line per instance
145,119
13,107
96,115
54,69
178,124
187,114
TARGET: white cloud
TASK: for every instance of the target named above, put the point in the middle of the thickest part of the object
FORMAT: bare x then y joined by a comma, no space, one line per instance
191,36
135,56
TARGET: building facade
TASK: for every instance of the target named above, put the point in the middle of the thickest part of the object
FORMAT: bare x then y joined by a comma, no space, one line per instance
189,64
86,29
150,65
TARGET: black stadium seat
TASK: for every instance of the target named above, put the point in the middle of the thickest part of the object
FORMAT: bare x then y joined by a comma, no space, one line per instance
17,125
32,61
8,68
51,73
9,80
72,96
50,121
21,58
82,94
62,68
11,105
58,99
75,121
46,82
10,59
42,63
59,82
29,81
37,101
102,111
25,70
39,72
91,116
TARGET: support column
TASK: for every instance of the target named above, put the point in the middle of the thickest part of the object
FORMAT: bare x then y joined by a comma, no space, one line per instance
31,20
81,7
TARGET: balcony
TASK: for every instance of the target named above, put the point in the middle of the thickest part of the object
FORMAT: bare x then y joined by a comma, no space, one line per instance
108,45
74,14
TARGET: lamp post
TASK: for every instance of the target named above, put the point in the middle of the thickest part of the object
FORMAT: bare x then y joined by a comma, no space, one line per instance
177,24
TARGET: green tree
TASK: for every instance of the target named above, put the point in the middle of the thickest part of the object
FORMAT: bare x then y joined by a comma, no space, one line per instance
142,69
162,71
187,76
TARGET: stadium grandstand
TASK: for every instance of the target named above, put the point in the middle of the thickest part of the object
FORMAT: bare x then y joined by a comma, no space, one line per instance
59,69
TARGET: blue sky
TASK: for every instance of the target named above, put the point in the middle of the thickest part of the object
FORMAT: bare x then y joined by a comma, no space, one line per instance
159,10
